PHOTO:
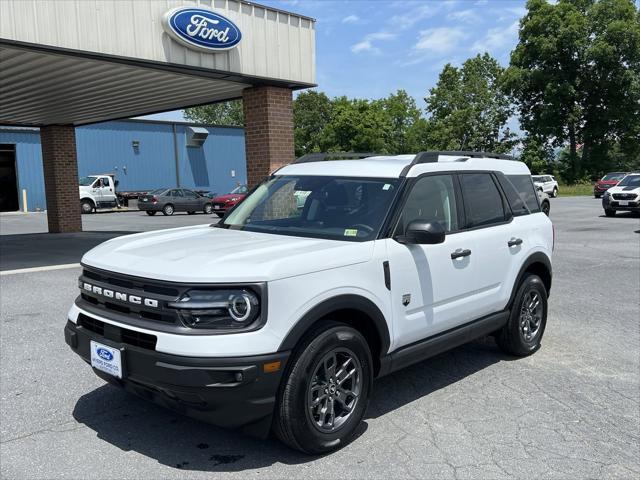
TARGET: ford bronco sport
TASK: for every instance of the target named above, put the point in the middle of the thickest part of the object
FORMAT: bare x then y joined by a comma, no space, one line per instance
328,275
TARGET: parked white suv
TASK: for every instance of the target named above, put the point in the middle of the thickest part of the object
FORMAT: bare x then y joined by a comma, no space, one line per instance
281,315
548,183
624,197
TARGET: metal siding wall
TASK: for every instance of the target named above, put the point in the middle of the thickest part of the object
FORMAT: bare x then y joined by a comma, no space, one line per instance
107,148
209,167
274,43
29,166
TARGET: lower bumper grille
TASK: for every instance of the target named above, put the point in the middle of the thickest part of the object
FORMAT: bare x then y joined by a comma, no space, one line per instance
118,334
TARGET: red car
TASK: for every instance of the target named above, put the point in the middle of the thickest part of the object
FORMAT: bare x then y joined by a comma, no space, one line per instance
606,182
222,203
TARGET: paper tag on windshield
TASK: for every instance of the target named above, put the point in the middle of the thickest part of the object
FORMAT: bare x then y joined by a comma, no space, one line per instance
386,186
350,232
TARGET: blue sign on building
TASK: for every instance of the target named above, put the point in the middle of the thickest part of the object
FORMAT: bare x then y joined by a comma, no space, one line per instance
201,28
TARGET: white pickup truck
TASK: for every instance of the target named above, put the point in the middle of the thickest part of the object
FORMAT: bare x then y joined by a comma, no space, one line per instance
97,191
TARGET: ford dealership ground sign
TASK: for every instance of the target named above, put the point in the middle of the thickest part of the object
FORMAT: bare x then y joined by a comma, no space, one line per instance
201,29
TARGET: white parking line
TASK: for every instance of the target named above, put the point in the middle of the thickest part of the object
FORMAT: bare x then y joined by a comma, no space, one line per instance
39,269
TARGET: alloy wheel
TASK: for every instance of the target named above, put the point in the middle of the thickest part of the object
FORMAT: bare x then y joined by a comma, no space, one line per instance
530,315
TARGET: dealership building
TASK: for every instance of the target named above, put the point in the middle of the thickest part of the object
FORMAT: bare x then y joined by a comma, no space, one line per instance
71,71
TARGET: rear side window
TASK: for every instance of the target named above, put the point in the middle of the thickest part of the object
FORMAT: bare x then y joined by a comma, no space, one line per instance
482,200
524,187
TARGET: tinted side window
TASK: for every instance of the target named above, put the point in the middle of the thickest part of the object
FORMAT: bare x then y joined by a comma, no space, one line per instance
524,186
105,182
176,193
516,201
189,194
433,199
482,200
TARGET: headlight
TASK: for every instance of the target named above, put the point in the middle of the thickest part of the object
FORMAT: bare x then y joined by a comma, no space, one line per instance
230,309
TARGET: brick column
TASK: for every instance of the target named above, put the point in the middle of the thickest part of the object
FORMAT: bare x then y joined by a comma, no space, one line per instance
61,178
268,121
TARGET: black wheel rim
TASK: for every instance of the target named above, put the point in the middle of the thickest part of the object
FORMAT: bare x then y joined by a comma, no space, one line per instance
334,390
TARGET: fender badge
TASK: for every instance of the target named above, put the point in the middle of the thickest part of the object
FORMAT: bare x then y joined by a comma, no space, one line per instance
406,299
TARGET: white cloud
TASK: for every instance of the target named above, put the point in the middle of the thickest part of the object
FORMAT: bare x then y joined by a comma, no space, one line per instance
367,45
466,16
497,38
439,41
410,18
351,19
481,2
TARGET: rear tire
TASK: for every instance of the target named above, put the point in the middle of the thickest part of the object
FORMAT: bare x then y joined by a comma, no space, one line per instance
331,371
546,207
609,213
86,206
208,209
150,213
167,209
554,193
522,335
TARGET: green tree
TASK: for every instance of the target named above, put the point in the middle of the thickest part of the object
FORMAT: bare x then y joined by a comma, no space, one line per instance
402,114
223,113
537,154
575,75
468,109
312,112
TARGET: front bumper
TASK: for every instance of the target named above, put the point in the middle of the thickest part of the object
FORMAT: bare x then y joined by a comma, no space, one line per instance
230,392
609,203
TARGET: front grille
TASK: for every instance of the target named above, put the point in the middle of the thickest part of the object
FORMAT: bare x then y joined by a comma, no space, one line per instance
118,334
142,288
624,196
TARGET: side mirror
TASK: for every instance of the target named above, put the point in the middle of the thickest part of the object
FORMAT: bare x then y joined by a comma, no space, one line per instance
540,189
421,232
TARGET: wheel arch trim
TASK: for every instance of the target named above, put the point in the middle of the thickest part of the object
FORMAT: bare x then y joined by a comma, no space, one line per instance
534,258
334,304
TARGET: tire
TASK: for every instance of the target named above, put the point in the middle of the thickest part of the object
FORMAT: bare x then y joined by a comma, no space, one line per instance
554,193
595,195
86,206
151,213
522,335
609,213
168,209
546,208
191,213
220,215
208,209
298,425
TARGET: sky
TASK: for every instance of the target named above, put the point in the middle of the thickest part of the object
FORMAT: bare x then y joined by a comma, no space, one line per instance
371,48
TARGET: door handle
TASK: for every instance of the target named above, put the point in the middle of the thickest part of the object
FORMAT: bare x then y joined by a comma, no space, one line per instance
460,253
514,242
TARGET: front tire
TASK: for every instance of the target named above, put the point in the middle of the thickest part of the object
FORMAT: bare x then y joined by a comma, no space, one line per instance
325,394
86,206
522,335
546,208
208,208
167,210
554,193
609,213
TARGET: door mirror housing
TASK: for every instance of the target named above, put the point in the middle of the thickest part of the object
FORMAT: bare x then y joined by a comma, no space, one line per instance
421,232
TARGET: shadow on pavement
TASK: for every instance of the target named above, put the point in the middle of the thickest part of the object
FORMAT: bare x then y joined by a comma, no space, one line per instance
43,249
132,424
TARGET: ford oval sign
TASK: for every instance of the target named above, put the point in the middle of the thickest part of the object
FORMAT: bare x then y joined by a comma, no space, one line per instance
201,29
104,354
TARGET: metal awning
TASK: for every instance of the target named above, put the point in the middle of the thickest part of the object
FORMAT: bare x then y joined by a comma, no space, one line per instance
40,86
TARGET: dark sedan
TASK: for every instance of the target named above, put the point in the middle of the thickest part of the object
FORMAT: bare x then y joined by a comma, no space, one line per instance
171,200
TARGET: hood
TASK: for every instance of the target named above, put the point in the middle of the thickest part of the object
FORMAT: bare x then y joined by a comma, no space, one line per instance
228,196
627,189
607,182
210,255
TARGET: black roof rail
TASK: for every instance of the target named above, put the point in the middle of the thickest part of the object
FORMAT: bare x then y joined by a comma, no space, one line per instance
432,157
324,156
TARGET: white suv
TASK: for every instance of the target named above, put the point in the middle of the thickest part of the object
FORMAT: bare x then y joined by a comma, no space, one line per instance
624,197
548,183
280,316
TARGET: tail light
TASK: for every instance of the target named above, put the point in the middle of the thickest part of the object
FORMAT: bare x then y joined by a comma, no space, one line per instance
154,200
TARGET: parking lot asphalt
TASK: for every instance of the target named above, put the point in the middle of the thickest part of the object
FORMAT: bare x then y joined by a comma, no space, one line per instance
572,410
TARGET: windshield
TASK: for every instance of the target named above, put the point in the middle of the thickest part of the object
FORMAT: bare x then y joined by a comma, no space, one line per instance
537,178
613,176
338,208
86,181
630,181
239,189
